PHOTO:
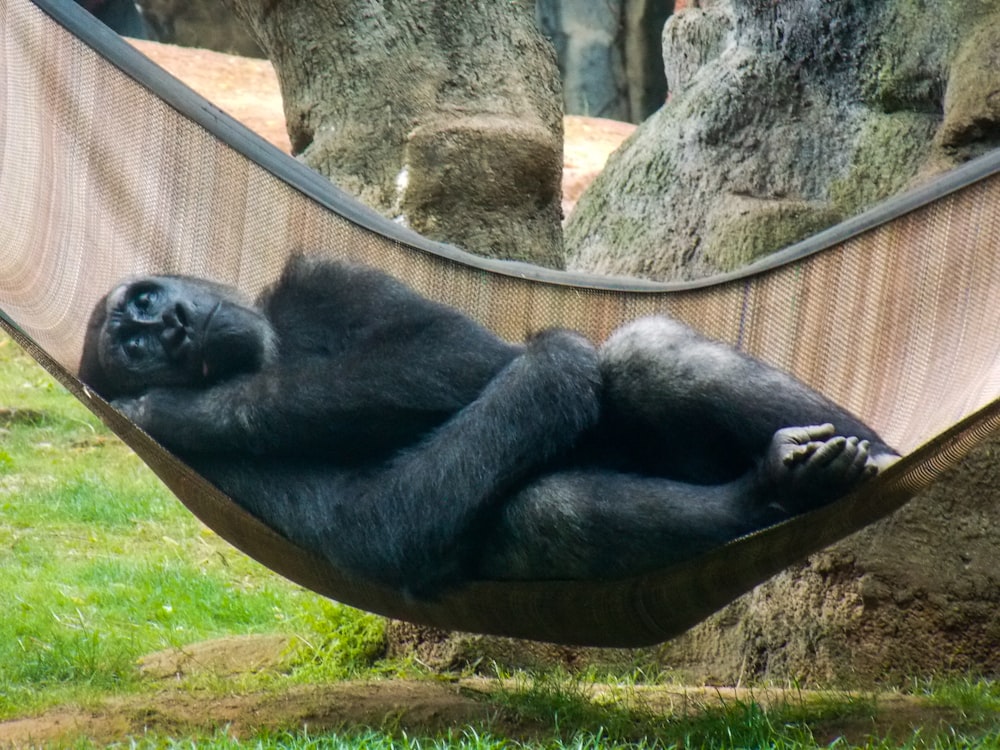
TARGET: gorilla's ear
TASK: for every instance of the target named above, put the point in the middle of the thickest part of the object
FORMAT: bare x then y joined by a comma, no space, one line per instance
90,371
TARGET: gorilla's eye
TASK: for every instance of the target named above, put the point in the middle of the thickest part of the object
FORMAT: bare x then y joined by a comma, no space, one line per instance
136,346
143,301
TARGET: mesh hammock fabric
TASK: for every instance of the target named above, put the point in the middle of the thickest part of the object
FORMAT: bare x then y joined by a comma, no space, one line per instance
109,167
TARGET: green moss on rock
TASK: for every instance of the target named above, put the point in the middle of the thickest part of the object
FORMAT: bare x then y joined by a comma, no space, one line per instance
972,101
890,151
752,228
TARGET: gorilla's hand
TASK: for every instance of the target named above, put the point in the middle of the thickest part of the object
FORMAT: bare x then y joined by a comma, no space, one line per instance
136,409
191,420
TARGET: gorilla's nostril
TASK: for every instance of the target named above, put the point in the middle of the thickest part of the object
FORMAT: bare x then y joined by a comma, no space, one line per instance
181,315
174,337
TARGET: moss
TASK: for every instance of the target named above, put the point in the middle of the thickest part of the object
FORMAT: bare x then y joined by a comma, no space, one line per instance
917,40
907,70
753,228
972,101
890,150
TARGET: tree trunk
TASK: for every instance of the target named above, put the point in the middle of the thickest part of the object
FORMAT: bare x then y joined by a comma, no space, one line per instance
443,115
609,55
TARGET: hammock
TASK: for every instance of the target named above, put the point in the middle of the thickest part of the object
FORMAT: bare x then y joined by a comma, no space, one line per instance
109,167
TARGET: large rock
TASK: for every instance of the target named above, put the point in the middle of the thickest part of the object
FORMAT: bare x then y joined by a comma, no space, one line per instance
915,595
784,118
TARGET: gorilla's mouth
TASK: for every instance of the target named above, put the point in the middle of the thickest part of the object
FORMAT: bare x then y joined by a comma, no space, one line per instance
205,336
230,343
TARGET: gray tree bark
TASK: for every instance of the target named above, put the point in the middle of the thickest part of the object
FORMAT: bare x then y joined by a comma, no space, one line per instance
609,55
444,115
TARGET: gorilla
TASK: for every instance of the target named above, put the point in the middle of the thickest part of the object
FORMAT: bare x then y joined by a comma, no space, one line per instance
408,445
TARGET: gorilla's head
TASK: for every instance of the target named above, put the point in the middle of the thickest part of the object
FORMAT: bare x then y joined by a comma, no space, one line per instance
172,331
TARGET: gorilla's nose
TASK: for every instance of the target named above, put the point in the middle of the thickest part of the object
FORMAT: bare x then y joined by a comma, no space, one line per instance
173,340
174,335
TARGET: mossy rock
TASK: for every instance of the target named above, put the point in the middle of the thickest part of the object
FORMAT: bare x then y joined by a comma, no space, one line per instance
890,150
972,101
750,228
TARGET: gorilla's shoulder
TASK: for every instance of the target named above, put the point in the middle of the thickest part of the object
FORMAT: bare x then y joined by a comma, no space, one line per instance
316,298
306,273
319,286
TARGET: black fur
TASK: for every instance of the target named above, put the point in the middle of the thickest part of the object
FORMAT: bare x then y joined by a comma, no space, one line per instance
409,445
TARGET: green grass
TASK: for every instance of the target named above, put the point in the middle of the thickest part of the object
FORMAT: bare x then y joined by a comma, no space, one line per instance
977,700
100,565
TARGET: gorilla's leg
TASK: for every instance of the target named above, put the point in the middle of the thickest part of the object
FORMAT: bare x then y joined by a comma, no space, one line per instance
682,406
586,524
418,520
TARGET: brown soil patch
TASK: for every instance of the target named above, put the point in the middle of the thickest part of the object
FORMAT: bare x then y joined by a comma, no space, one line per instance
426,707
414,706
417,707
587,144
223,657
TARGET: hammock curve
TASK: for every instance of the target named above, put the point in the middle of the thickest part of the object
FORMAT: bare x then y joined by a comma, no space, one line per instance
109,167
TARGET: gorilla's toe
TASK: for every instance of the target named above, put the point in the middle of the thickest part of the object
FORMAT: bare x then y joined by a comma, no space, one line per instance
810,466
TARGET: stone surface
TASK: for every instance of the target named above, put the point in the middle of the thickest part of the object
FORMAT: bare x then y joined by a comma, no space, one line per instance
608,55
206,24
913,596
785,117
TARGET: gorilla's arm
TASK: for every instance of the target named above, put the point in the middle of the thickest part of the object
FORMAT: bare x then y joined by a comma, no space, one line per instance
364,367
360,407
418,520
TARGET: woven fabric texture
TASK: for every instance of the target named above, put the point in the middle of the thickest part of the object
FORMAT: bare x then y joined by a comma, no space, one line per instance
101,179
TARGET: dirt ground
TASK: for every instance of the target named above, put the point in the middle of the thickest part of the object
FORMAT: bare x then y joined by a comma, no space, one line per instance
416,706
419,707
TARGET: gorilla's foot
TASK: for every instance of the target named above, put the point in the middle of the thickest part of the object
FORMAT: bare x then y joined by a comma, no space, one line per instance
810,466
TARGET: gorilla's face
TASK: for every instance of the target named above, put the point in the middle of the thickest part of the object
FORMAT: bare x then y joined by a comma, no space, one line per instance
172,331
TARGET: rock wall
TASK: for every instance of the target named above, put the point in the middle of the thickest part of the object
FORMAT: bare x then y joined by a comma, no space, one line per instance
783,119
913,596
